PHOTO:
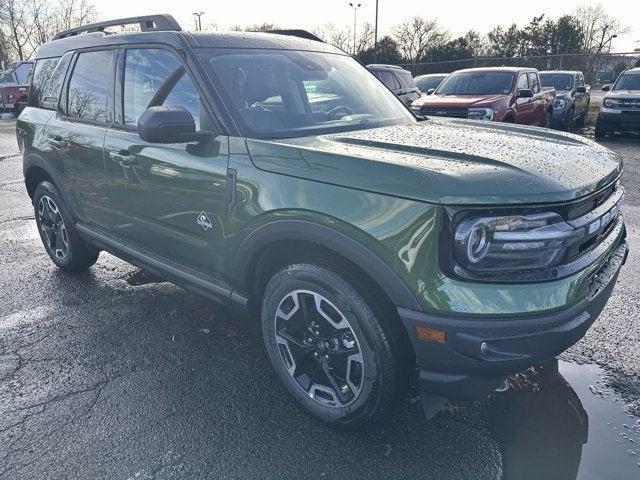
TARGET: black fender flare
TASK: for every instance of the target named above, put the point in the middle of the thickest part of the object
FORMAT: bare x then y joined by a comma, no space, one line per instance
33,160
327,237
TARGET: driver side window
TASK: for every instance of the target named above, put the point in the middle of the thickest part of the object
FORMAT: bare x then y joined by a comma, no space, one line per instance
154,77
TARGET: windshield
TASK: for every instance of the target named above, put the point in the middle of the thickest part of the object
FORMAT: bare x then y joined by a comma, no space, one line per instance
476,83
285,93
559,81
427,83
628,81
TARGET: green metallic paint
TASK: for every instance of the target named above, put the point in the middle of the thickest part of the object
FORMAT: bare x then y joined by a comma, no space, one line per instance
384,195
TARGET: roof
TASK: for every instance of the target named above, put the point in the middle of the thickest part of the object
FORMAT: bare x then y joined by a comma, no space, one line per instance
496,69
381,66
181,39
432,75
567,72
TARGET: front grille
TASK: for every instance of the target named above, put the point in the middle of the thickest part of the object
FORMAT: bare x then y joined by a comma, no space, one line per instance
582,207
445,112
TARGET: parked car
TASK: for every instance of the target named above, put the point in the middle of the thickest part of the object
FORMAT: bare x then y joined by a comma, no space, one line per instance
398,80
14,87
364,240
573,96
620,109
428,83
501,94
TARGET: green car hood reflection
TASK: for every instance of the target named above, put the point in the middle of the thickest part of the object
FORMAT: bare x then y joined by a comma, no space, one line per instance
448,161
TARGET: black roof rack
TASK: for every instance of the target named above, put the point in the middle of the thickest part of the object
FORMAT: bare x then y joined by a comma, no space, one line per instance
297,33
148,23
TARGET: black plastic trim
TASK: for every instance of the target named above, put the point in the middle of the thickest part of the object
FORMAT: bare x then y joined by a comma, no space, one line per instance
326,237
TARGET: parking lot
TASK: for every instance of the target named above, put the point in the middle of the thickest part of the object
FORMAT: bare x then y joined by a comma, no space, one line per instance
112,375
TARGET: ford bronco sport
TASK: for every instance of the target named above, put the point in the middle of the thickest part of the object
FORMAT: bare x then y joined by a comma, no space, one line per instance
620,111
273,173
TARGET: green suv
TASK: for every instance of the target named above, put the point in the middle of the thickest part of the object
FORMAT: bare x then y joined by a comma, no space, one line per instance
275,174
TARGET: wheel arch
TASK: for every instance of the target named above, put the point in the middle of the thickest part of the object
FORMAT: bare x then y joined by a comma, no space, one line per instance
315,238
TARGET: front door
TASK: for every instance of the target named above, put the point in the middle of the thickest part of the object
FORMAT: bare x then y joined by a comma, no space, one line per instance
524,106
169,200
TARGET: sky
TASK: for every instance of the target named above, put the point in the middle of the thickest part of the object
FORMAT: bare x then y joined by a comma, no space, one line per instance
457,16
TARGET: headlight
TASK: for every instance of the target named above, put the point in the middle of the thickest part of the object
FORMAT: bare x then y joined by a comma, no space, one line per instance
610,103
560,103
492,246
480,114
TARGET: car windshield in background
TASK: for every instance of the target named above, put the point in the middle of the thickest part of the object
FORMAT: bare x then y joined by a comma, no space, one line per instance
285,93
476,83
629,81
559,81
427,83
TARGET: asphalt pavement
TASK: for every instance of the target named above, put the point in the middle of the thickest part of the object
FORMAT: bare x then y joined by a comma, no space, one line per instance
110,375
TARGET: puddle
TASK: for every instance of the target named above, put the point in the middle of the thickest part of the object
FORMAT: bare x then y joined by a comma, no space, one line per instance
565,424
142,277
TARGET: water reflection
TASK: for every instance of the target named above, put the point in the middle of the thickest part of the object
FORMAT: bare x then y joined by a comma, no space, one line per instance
540,432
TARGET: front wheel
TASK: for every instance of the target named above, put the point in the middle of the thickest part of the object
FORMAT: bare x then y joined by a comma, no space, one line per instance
334,350
546,121
600,131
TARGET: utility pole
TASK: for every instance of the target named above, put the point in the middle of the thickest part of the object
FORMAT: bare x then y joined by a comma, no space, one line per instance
355,7
375,33
199,20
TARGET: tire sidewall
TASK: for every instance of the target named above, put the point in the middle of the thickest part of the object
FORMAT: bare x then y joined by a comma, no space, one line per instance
357,312
75,242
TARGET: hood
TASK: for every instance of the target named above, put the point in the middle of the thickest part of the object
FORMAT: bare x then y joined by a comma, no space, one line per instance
461,101
448,161
623,93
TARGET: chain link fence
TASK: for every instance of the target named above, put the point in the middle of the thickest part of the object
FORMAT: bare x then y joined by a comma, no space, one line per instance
598,69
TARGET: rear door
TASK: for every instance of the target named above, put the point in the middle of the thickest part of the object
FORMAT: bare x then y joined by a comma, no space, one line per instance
75,134
169,200
408,89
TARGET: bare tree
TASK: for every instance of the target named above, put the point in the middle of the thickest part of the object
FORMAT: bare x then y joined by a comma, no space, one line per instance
339,37
598,28
415,35
18,27
365,37
73,13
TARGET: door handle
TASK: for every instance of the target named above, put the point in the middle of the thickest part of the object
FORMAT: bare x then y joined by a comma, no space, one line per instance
57,142
123,157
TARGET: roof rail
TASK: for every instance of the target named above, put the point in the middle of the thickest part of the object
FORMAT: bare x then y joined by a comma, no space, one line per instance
148,23
296,33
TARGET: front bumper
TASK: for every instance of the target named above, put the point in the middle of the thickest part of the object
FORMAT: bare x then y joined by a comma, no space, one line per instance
478,354
619,121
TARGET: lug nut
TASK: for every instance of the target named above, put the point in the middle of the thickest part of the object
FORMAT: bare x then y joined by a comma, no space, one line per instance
483,348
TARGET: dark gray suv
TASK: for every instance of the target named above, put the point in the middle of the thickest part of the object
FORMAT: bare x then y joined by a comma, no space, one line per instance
573,97
398,80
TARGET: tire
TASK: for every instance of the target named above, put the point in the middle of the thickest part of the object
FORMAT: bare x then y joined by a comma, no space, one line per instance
331,330
600,132
581,122
58,233
546,121
568,122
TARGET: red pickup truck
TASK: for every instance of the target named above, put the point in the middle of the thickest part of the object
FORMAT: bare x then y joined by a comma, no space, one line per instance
14,87
500,94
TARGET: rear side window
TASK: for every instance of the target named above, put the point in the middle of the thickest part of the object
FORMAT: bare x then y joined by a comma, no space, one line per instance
406,80
533,81
523,82
46,84
388,79
89,85
154,77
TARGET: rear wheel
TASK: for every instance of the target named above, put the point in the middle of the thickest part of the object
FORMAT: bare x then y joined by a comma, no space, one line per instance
57,231
568,121
332,348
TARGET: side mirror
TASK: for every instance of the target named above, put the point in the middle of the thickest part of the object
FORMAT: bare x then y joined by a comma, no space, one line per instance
606,88
581,89
526,93
169,125
430,91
